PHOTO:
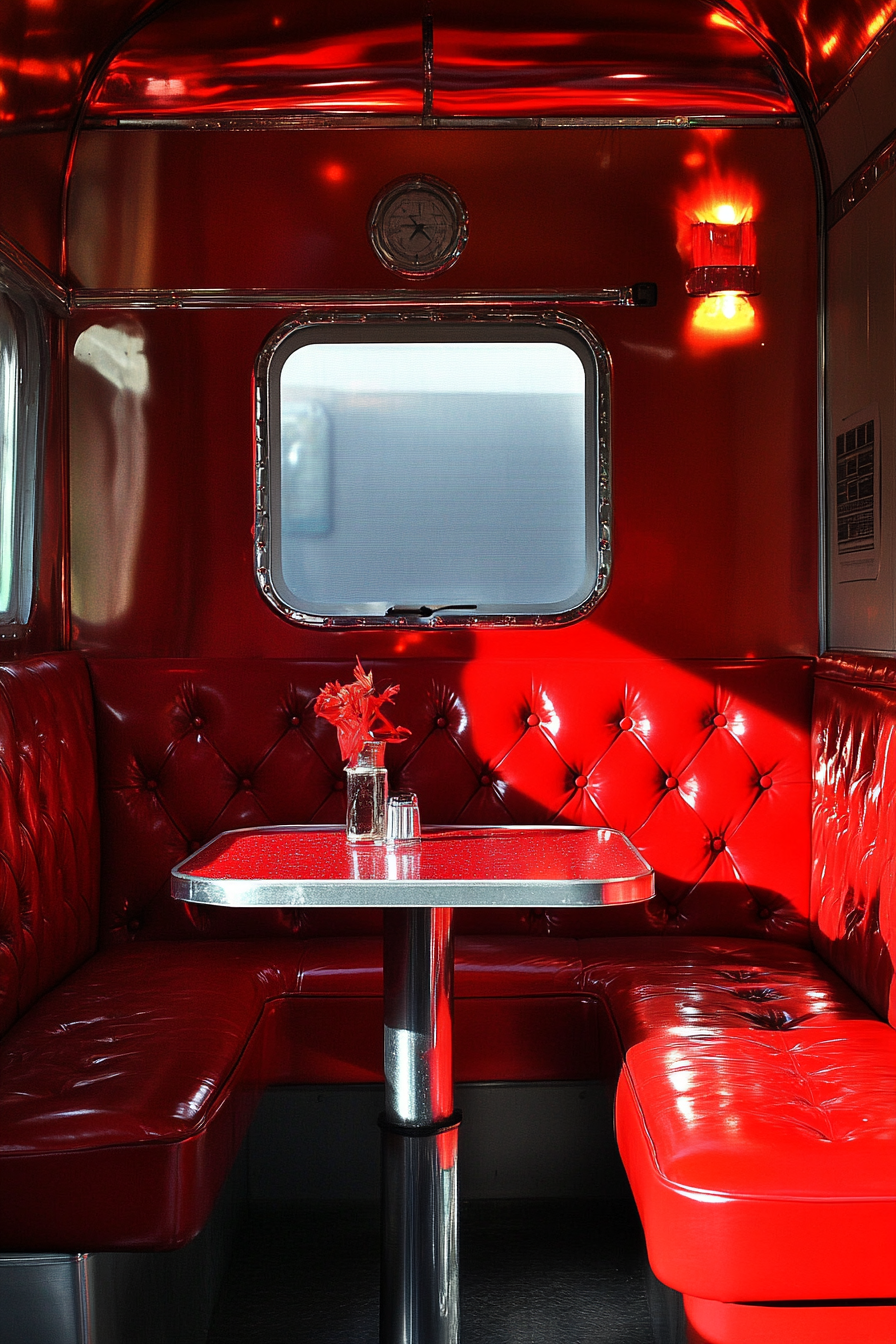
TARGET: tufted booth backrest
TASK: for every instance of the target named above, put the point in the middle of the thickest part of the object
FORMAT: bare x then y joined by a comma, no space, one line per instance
854,824
49,827
704,765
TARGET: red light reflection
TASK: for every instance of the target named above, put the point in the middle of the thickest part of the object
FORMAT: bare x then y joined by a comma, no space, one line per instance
721,196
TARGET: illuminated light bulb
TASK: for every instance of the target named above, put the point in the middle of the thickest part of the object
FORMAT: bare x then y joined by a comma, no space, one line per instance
726,214
724,314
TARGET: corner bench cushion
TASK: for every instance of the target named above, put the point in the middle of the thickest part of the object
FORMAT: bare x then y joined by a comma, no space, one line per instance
689,983
126,1091
762,1163
756,1101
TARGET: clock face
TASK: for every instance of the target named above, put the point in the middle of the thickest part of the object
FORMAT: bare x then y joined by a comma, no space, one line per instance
418,226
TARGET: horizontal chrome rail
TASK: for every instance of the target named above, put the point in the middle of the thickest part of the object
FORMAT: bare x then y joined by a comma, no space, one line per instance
640,295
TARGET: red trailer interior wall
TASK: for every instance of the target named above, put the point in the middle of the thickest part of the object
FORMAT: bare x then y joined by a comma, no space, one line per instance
713,440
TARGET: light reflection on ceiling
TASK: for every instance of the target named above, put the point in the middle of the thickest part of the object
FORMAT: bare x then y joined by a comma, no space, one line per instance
614,57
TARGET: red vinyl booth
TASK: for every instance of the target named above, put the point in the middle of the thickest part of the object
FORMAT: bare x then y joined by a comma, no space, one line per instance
745,1003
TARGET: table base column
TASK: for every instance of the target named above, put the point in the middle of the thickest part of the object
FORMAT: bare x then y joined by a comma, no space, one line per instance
419,1278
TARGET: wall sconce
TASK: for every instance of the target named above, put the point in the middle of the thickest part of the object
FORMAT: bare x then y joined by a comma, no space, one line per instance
723,256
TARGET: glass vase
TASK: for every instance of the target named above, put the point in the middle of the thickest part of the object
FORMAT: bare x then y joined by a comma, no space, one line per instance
367,791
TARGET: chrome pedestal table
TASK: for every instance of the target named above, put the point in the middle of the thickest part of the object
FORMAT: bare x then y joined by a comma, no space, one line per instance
418,884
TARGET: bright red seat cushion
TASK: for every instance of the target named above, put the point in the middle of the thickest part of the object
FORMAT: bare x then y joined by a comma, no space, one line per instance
762,1160
757,1100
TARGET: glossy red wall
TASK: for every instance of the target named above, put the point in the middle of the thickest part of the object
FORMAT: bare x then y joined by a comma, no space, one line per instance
713,442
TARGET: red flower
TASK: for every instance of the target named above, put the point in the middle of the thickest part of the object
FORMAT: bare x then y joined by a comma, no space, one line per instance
356,713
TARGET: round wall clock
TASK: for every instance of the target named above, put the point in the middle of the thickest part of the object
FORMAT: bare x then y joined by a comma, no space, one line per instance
418,226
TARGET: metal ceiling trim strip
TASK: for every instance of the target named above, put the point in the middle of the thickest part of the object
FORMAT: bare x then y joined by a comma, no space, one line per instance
331,301
878,166
373,121
885,34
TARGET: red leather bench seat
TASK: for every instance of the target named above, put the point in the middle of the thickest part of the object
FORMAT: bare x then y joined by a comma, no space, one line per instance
757,1094
128,1088
759,1158
756,1109
129,1085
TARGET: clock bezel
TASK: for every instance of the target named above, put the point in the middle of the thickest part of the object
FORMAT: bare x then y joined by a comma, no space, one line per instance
387,196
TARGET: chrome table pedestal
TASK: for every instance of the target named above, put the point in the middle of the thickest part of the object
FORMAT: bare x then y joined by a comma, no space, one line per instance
419,1277
417,885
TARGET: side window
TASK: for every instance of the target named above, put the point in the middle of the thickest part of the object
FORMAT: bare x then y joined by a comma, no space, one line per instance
445,471
21,351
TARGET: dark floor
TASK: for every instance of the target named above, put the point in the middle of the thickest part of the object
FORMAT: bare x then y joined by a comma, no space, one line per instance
532,1272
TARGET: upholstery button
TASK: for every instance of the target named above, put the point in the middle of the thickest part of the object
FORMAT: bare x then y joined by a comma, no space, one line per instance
197,722
441,722
246,783
533,720
295,720
720,720
485,780
718,844
764,912
339,785
581,781
765,781
626,723
152,785
671,782
133,925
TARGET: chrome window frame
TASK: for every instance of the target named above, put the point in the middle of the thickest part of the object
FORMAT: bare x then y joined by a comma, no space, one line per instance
31,361
289,336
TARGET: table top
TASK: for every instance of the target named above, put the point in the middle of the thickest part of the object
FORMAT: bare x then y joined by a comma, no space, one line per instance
451,866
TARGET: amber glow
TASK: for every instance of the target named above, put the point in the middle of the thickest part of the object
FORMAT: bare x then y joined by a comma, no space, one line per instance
879,19
726,314
719,20
726,212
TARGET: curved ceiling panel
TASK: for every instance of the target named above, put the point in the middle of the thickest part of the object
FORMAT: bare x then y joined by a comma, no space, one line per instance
821,40
599,57
203,58
578,56
47,47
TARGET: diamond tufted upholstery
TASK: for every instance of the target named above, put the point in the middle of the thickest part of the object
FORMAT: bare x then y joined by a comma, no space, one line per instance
757,1089
854,825
49,827
705,766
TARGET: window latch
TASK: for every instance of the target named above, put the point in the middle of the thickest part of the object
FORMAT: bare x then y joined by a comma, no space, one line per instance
431,611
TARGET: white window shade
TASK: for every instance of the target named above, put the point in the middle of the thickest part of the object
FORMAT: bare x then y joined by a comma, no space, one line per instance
458,468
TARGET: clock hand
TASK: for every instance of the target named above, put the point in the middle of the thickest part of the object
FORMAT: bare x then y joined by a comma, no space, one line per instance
418,228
